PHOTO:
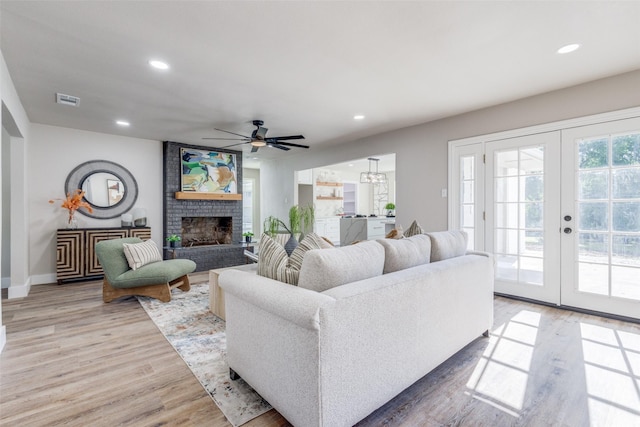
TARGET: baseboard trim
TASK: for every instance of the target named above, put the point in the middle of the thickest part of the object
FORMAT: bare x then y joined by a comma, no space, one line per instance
19,291
3,337
44,279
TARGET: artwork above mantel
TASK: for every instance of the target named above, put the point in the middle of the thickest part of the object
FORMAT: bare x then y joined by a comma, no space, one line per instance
183,195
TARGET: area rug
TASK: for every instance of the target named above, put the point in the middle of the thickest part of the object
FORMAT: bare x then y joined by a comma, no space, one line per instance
198,337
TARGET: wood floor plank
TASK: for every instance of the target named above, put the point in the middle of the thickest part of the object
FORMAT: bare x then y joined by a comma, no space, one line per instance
72,360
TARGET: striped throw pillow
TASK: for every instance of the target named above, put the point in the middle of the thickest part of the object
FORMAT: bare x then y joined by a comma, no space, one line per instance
274,263
413,229
139,254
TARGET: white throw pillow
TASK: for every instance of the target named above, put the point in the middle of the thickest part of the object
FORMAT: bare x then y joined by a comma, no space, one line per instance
447,244
139,254
406,253
328,268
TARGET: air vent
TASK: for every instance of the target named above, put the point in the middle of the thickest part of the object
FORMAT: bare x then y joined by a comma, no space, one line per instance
61,98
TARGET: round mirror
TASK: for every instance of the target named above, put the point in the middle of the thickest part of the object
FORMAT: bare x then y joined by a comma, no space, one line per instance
109,188
103,189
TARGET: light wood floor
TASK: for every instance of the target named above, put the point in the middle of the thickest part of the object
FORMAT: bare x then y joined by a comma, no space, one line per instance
72,360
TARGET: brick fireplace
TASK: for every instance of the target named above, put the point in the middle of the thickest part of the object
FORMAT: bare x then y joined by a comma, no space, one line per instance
211,230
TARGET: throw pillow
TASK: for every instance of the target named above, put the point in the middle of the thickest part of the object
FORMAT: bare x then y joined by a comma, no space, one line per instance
328,268
447,244
139,254
274,263
413,229
406,253
396,233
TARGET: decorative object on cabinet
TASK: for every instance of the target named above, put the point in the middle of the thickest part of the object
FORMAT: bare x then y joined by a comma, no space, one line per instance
139,217
390,207
154,279
94,178
372,177
72,204
126,220
248,235
75,250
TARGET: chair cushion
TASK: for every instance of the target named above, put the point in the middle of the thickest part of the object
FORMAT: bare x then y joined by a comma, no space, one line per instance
447,244
154,274
274,263
406,253
413,229
328,268
139,254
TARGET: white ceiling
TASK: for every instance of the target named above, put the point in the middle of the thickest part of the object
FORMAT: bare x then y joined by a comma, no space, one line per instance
303,67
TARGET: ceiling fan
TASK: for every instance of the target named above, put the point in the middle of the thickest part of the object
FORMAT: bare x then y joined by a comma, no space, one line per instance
259,139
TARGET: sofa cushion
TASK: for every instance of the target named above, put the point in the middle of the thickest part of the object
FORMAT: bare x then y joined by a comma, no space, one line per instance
447,244
413,229
325,269
274,263
406,253
139,254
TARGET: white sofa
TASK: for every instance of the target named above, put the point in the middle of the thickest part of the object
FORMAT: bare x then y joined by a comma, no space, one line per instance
331,355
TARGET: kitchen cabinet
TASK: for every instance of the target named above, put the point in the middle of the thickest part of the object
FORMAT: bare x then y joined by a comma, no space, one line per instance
329,228
365,228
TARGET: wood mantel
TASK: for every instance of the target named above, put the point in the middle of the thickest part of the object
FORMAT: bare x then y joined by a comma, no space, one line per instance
207,196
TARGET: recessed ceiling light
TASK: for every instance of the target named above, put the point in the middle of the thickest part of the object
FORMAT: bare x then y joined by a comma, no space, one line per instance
160,65
358,117
351,164
569,48
122,123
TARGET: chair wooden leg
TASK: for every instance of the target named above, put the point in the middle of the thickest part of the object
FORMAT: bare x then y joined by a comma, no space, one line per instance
161,291
181,283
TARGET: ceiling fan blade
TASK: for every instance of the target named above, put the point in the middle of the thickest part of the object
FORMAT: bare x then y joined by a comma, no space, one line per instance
227,139
254,149
290,144
285,138
233,145
232,133
282,147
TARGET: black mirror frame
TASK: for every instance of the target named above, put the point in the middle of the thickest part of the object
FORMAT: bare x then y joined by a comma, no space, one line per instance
83,171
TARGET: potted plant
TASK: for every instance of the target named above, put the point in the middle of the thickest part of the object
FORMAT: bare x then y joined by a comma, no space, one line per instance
174,240
390,207
247,236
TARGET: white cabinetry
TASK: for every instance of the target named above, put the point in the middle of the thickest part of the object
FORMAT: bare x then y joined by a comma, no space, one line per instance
329,228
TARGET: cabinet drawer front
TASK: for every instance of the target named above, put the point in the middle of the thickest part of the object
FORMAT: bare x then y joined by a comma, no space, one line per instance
70,255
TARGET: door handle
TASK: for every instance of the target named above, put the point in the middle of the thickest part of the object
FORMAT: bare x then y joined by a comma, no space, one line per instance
567,217
567,230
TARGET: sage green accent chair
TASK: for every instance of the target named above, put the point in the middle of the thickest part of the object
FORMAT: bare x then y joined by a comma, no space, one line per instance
153,280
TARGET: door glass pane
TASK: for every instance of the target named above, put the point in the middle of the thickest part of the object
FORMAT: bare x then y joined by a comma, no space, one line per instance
593,278
507,215
533,215
467,166
468,212
507,189
626,250
626,183
593,153
593,247
247,205
626,149
532,160
467,191
624,282
531,270
626,216
507,241
593,216
593,185
533,243
533,190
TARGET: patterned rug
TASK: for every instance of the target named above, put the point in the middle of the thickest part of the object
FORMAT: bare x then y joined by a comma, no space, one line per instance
198,337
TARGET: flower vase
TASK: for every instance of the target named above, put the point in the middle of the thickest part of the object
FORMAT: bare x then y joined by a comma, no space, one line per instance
73,222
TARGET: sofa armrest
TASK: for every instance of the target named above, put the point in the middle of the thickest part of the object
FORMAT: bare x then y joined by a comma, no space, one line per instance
297,305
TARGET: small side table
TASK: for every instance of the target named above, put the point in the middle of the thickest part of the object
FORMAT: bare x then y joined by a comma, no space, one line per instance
216,294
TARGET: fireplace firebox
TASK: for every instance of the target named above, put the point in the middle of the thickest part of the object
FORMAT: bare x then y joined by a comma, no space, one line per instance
202,231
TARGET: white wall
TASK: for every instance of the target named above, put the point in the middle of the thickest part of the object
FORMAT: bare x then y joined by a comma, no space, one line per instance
53,153
421,151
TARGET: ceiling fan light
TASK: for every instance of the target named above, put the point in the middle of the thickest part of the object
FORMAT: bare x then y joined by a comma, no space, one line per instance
258,143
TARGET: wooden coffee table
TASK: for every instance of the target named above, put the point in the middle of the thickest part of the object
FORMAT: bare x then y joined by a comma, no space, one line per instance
216,294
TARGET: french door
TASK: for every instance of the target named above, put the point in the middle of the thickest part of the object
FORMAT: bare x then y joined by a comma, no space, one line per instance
522,183
562,214
601,217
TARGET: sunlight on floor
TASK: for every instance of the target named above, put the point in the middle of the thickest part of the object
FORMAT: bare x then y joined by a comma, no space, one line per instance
500,377
612,373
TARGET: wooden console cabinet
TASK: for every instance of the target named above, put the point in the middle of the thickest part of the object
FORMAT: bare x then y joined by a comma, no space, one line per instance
75,254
